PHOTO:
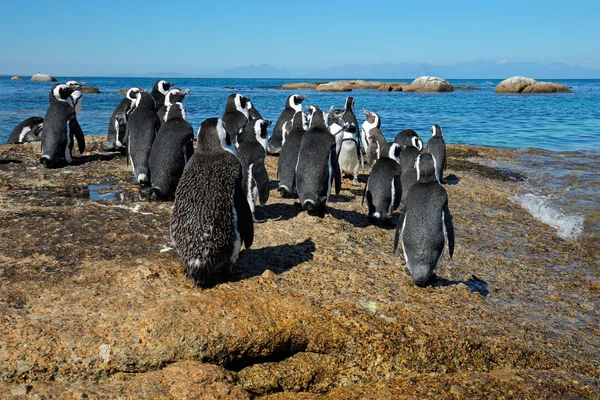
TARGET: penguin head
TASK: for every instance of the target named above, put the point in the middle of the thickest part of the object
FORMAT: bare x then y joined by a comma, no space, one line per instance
426,167
394,152
133,92
144,100
260,131
335,120
436,130
74,84
162,86
295,101
175,110
212,136
175,96
349,103
317,118
417,142
372,121
61,92
75,100
299,122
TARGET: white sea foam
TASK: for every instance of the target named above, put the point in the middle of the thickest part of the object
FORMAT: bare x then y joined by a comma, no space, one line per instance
568,226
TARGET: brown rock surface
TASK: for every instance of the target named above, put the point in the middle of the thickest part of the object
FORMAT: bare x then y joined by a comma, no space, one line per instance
346,86
335,86
88,90
93,303
429,84
16,78
519,84
546,87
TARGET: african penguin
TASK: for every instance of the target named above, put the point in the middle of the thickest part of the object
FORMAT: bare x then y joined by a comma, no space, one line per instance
403,136
288,157
293,104
253,112
317,165
252,152
159,91
351,119
373,139
384,188
60,128
142,126
118,121
235,118
75,101
27,131
437,148
336,127
407,162
171,150
173,96
425,223
347,143
211,216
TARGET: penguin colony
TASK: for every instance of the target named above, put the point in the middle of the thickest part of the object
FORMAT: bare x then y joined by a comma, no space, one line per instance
215,188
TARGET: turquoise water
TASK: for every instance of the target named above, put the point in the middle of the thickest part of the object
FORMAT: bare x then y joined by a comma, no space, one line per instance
556,137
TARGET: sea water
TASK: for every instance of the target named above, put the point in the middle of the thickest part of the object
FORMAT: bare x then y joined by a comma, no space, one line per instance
555,137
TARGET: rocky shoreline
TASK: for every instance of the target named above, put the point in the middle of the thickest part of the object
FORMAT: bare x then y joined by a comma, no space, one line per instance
94,303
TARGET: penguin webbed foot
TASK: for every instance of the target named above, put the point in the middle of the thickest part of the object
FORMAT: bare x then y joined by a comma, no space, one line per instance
355,182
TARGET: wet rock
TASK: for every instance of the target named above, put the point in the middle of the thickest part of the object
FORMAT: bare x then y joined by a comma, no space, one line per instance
16,78
92,90
519,84
39,77
429,84
122,91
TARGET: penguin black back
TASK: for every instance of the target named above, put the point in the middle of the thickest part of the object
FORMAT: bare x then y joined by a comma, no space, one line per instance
437,148
288,158
253,112
235,116
425,223
142,126
384,189
173,96
27,131
408,158
293,104
118,121
211,216
159,91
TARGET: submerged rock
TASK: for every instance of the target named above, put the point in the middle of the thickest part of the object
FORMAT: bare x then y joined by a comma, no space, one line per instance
519,84
39,77
430,84
89,90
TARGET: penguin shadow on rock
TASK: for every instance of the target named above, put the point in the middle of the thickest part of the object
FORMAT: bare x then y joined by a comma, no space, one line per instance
278,211
450,180
279,259
473,283
94,157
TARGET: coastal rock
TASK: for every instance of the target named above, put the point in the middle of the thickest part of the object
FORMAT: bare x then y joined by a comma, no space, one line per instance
98,306
16,78
91,90
300,85
391,87
122,91
430,84
519,84
335,86
39,77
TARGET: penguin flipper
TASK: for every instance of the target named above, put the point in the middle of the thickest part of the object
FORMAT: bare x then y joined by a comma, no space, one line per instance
260,175
245,221
188,149
78,133
449,229
398,228
398,191
337,174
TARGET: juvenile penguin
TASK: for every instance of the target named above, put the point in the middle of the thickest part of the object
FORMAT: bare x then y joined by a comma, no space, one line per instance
372,137
142,126
252,152
293,104
425,223
253,112
437,148
173,96
118,121
27,131
211,216
384,188
236,116
60,128
159,91
317,165
288,158
407,162
171,150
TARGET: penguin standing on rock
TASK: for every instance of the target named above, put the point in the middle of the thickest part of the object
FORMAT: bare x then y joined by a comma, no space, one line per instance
252,152
350,118
173,96
118,121
211,216
288,158
171,150
236,116
347,144
373,139
142,126
425,223
159,91
317,165
293,104
409,155
29,130
437,148
60,128
384,187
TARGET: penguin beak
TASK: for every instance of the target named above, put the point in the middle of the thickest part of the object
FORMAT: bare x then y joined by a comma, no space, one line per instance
186,91
75,85
143,90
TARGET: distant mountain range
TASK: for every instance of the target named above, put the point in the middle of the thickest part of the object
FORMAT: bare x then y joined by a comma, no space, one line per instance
463,70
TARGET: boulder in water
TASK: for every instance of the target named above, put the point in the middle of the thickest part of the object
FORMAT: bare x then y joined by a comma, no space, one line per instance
39,77
430,84
519,84
16,78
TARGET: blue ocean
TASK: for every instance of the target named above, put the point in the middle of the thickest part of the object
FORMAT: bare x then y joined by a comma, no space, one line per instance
555,137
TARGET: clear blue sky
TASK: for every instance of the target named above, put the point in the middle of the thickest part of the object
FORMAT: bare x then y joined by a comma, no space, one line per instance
82,38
